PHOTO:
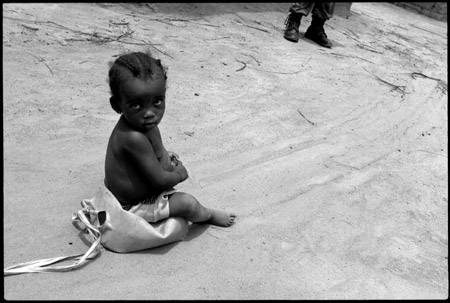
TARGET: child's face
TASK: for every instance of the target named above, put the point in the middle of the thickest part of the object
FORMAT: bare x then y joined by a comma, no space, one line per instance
143,102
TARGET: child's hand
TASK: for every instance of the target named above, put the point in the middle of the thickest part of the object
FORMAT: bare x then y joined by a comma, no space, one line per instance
181,169
173,158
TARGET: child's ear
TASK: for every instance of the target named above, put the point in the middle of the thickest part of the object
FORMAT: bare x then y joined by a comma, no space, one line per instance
115,104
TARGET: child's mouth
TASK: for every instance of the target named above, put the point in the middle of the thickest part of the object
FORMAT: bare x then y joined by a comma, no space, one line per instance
149,125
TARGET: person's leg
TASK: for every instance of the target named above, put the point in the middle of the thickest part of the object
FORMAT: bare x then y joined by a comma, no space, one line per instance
324,10
186,206
301,8
296,12
320,14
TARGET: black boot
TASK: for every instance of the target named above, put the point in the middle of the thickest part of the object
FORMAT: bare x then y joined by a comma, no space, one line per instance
292,22
316,33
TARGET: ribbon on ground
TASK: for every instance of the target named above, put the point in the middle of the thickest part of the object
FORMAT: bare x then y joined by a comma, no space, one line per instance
80,259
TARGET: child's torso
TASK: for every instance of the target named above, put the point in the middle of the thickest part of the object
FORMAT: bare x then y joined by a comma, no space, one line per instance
122,175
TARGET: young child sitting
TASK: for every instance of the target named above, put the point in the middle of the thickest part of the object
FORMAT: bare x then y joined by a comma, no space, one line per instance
139,171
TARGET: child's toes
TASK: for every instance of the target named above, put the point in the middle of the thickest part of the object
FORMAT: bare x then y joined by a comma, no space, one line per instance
232,219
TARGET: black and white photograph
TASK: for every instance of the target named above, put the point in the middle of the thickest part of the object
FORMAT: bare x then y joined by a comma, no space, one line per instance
225,151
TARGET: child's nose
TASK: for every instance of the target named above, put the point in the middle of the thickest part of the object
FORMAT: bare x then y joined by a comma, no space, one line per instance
149,114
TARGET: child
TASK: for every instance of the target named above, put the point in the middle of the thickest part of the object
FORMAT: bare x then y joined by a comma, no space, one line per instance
139,171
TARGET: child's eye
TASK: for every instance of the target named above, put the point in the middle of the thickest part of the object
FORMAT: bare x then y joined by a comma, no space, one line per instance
158,101
135,106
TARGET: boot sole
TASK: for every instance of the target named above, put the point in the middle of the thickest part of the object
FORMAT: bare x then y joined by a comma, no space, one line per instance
324,45
291,39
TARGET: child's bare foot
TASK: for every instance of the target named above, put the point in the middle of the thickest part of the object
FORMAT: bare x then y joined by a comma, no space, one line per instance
221,218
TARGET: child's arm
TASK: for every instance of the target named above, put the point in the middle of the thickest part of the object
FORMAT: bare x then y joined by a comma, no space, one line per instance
166,157
141,151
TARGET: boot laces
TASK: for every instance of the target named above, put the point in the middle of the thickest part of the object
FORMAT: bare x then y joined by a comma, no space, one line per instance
320,32
290,23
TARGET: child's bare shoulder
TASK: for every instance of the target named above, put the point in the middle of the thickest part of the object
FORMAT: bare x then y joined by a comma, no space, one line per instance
129,138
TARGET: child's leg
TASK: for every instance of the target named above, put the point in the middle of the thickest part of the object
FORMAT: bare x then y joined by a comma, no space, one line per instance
186,206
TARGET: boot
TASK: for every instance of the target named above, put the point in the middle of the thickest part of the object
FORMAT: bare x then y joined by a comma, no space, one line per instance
316,33
292,22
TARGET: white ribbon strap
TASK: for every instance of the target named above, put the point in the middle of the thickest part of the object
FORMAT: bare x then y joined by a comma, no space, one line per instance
41,265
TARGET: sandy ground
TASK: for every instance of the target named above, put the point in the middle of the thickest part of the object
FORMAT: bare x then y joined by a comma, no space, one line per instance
334,159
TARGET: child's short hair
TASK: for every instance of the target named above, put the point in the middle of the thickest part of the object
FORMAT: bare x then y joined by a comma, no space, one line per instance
141,65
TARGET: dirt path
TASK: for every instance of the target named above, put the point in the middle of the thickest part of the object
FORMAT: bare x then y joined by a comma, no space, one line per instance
336,160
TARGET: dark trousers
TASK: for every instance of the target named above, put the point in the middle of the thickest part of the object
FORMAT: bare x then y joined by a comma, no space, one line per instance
320,10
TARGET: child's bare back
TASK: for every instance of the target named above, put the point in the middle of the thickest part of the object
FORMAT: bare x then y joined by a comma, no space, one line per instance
125,179
137,166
